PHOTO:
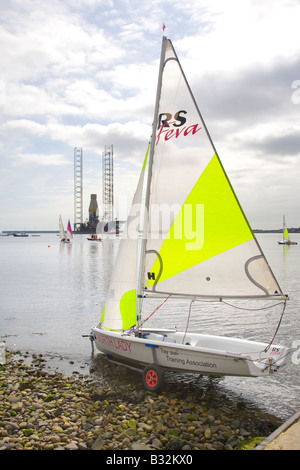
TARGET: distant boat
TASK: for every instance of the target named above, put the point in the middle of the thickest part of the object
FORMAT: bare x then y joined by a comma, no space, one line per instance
285,236
22,234
175,261
69,231
94,238
63,237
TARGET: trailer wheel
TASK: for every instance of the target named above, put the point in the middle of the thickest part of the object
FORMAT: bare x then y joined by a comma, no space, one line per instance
153,378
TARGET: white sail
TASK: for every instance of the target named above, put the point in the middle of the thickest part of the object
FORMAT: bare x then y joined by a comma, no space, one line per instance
199,242
61,229
120,307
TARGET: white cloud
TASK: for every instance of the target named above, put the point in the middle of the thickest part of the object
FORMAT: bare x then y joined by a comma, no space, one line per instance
40,159
84,74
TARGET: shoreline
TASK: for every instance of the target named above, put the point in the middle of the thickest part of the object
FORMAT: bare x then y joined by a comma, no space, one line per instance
48,410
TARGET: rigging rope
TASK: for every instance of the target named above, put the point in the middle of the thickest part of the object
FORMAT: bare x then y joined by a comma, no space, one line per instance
146,319
276,328
264,308
188,320
233,306
253,309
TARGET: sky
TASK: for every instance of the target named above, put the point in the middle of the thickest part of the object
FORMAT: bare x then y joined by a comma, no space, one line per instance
84,73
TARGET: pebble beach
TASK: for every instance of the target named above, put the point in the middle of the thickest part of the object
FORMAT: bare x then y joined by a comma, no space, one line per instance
42,410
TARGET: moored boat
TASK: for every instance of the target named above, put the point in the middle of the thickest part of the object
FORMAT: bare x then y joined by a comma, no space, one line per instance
285,235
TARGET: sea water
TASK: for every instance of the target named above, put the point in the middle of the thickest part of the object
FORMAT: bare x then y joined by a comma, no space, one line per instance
53,293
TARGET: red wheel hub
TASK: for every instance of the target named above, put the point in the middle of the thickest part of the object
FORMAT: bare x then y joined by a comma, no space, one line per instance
151,378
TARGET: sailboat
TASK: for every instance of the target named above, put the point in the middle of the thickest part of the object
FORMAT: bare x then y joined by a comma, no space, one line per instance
69,231
286,237
63,237
197,245
95,238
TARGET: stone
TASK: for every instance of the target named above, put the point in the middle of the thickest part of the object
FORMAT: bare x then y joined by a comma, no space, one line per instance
41,423
145,427
157,444
53,412
82,446
139,446
57,429
17,406
27,432
72,446
98,444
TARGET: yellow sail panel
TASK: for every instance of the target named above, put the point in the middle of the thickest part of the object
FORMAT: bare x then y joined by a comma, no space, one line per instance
209,223
128,309
286,233
119,312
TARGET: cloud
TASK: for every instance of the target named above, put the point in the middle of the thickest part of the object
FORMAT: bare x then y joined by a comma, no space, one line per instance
40,159
84,74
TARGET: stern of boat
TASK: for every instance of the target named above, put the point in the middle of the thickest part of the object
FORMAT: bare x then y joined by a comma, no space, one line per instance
269,361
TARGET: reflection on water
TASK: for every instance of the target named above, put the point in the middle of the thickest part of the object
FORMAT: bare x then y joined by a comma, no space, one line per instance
52,293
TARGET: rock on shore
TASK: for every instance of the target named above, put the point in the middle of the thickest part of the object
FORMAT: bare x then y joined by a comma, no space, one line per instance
51,411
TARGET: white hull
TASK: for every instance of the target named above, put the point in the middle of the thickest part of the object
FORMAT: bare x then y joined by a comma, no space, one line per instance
203,354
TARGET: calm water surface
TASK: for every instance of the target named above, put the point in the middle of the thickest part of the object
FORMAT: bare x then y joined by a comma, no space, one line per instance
51,294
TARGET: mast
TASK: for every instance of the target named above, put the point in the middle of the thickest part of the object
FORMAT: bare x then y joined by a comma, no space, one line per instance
147,196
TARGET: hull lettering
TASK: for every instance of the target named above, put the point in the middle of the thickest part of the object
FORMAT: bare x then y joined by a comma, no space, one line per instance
115,343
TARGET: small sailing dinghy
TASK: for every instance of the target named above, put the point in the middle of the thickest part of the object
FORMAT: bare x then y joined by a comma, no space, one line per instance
63,237
94,238
196,245
285,235
69,231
